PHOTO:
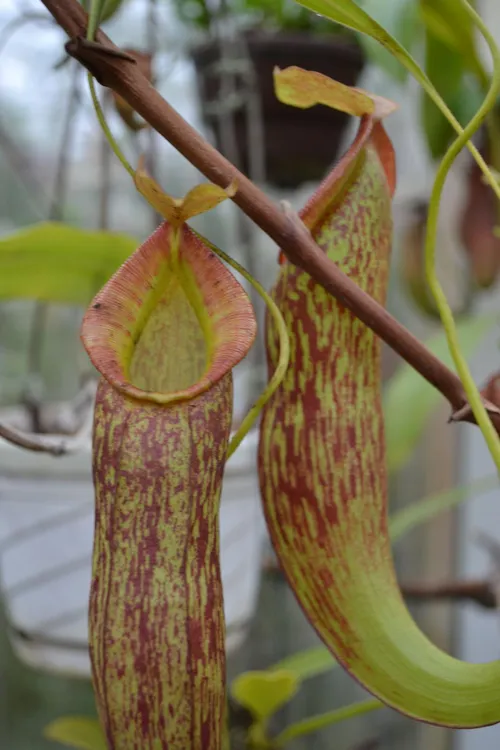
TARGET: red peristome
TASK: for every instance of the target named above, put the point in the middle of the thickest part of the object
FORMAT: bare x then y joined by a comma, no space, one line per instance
113,323
331,192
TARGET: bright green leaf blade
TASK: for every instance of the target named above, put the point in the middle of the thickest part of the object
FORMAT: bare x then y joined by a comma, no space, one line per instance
264,692
409,400
467,100
58,263
78,732
402,21
464,103
449,22
445,68
306,88
449,69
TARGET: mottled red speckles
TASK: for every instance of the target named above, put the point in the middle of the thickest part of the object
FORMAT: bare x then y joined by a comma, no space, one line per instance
322,450
164,333
156,615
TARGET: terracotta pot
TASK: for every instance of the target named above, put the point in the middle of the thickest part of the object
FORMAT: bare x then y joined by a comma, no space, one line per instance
300,145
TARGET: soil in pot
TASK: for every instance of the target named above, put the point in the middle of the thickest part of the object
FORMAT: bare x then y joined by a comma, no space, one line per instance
300,145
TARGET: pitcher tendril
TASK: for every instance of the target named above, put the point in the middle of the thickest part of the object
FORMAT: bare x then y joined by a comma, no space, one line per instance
284,349
94,15
474,397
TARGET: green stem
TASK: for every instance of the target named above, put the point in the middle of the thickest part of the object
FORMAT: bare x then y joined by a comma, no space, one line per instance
94,16
104,125
474,397
314,723
284,342
95,12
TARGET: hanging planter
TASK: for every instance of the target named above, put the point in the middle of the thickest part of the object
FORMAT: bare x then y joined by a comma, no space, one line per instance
299,145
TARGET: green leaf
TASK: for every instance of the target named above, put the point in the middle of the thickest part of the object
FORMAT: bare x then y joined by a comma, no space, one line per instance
308,663
445,68
58,263
305,88
450,60
78,732
464,103
450,23
402,20
409,400
349,14
467,101
264,692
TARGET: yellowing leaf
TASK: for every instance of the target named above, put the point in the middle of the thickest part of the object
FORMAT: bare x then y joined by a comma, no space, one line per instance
349,14
263,693
198,200
168,207
402,21
305,88
203,198
78,732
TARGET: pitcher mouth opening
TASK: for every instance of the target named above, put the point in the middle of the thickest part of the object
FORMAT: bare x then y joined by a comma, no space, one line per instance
164,331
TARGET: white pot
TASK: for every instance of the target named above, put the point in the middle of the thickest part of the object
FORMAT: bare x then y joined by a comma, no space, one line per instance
46,528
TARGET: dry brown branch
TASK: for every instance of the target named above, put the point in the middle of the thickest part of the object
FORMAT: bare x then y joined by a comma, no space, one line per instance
480,592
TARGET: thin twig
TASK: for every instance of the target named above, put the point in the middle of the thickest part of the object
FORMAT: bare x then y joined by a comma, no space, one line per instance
298,245
54,444
480,592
